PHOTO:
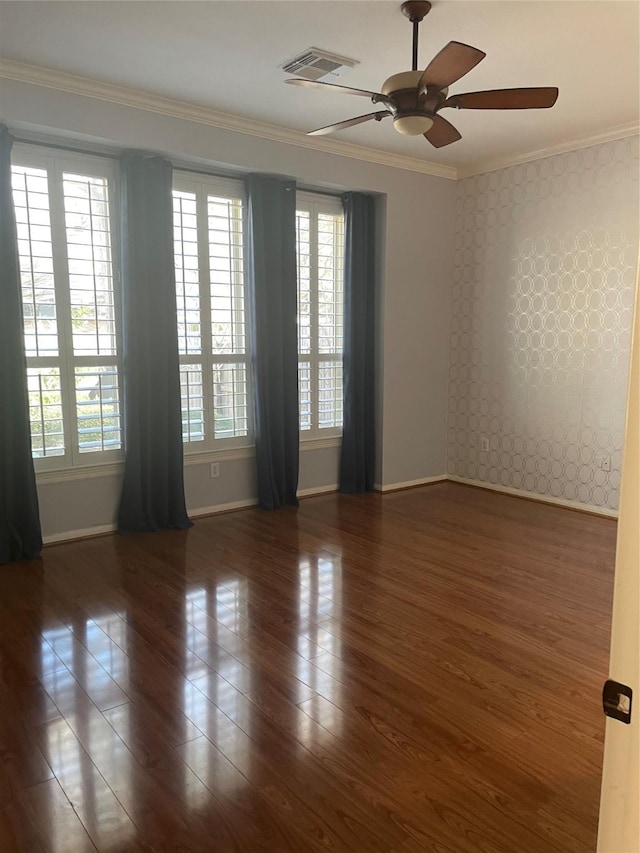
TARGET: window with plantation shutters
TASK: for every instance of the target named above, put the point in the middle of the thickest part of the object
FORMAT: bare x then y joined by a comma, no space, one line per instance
211,315
320,253
63,206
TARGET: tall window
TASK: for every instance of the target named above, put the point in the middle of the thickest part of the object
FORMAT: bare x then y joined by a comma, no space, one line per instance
210,293
63,212
320,246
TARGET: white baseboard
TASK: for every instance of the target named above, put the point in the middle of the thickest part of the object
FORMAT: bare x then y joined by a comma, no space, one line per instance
88,532
408,484
85,533
216,508
548,499
199,512
317,490
229,507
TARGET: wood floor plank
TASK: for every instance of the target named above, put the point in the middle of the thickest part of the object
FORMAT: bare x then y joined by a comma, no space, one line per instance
22,763
42,820
75,750
418,671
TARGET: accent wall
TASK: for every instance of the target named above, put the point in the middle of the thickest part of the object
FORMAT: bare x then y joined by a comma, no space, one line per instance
545,258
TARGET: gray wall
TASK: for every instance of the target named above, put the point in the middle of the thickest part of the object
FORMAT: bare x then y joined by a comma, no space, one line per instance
415,282
543,284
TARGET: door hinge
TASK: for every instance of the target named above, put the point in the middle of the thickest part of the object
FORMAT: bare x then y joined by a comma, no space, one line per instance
616,700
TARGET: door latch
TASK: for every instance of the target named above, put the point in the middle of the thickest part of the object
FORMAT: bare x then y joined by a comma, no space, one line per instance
616,700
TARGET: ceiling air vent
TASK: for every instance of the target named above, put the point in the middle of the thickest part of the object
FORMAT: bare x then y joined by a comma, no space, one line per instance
314,64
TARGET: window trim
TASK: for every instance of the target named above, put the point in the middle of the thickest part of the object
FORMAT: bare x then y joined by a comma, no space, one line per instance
318,203
203,185
57,161
75,465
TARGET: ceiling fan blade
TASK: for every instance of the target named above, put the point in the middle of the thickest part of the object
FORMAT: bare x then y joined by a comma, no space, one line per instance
345,90
330,128
505,99
442,133
453,62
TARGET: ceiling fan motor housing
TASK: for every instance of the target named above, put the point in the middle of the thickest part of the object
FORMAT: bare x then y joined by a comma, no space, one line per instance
414,98
412,111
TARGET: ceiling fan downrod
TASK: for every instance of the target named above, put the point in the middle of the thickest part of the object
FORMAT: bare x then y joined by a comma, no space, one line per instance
414,98
415,10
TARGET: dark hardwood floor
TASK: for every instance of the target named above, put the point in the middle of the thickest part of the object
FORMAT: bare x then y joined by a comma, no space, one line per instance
414,672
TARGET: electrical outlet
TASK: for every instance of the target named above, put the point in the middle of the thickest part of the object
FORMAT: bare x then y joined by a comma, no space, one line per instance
605,463
484,443
215,470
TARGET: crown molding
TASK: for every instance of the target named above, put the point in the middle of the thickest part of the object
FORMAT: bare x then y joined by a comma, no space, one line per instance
620,132
174,108
138,99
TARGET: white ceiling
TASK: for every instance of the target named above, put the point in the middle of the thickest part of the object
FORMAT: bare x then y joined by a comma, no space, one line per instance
225,55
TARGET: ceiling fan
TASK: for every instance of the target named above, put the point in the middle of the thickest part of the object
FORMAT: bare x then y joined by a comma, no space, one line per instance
414,98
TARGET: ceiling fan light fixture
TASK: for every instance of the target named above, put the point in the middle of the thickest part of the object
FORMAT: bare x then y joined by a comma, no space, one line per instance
413,125
414,98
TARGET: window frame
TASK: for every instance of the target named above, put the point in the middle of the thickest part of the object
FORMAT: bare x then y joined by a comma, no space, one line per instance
203,186
58,162
315,204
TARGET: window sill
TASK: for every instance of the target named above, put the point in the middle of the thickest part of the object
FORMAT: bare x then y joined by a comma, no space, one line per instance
115,469
308,444
228,455
80,472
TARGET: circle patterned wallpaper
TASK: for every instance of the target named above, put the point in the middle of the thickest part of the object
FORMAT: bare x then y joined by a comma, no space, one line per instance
543,289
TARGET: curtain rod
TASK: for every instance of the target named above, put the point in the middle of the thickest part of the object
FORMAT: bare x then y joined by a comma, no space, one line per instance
78,150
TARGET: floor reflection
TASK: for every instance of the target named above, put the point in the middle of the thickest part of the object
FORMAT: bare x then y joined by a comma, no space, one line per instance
80,667
215,701
216,693
231,605
106,640
319,644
